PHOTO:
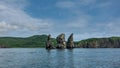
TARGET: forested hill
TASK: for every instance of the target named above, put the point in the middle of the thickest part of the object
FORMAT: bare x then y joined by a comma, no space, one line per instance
39,41
33,41
112,42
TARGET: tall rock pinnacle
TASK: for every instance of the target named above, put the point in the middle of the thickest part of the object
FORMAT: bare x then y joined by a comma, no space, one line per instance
70,42
61,41
49,43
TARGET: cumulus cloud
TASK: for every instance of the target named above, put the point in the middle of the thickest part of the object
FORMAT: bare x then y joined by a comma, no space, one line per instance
12,12
4,27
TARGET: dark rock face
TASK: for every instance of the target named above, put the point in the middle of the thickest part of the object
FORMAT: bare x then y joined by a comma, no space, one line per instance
49,43
61,44
70,42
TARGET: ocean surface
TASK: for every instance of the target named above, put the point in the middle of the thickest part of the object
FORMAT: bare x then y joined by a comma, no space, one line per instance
56,58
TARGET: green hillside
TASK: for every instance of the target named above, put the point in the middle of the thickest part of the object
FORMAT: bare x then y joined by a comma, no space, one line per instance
33,41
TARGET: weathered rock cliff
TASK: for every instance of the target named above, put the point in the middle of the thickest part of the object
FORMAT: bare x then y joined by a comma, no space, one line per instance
70,42
61,41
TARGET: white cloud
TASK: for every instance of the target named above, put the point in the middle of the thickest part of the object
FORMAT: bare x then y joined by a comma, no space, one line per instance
7,27
20,4
12,12
14,18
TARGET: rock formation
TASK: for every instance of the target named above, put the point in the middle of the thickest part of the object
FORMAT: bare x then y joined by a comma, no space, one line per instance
61,41
70,42
49,43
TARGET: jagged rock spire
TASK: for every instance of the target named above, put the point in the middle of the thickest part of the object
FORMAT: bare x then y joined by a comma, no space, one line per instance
49,43
70,42
61,41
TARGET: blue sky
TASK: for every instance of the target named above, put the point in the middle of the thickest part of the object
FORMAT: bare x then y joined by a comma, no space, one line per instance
84,18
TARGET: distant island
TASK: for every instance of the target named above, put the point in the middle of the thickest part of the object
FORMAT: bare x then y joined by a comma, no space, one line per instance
39,41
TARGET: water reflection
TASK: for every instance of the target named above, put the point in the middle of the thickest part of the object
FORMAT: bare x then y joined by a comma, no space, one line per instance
60,58
70,58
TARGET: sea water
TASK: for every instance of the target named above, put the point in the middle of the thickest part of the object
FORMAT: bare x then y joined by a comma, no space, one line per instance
59,58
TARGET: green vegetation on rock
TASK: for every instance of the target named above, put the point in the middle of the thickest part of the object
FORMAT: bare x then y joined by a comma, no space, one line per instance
112,42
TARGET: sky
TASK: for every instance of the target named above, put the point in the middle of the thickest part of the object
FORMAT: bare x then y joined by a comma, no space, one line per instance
84,18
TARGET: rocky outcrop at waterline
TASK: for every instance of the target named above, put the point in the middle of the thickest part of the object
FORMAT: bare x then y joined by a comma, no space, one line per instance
61,43
112,42
70,42
49,43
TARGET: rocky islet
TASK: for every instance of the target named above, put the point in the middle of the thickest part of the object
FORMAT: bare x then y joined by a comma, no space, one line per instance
61,43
